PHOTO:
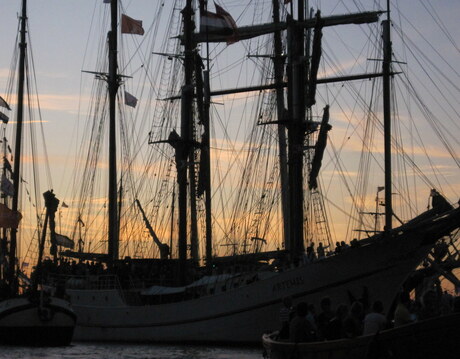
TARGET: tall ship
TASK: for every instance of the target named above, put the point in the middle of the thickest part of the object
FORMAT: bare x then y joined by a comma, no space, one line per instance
200,231
30,313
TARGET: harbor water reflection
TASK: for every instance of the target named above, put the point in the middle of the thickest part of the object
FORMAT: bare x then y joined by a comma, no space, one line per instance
130,351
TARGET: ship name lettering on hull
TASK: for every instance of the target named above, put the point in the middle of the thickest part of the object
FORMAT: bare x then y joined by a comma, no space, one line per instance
293,282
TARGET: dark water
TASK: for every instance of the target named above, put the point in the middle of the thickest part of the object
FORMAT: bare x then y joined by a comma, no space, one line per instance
131,351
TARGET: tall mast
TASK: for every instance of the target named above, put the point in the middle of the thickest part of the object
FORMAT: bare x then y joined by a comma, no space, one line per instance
296,132
386,69
205,148
3,249
173,201
18,145
113,84
207,155
281,111
184,148
194,247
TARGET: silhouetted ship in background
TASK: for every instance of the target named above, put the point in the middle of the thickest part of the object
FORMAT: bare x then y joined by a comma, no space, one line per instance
179,295
29,314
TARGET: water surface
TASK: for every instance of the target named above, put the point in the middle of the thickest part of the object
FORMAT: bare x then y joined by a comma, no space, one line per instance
132,351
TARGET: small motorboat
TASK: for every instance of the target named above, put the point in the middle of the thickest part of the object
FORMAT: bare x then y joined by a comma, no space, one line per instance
434,338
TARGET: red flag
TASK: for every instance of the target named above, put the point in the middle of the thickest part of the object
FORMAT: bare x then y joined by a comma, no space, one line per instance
220,22
226,16
214,23
131,26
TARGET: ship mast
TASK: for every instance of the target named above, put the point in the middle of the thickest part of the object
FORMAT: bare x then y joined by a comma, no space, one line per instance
281,111
294,120
296,131
113,84
18,146
386,69
207,158
3,239
205,150
183,148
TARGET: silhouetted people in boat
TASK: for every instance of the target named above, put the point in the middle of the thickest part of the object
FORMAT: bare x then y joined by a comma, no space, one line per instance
415,310
353,324
335,328
375,321
286,314
300,328
430,305
402,315
311,316
324,316
301,325
364,298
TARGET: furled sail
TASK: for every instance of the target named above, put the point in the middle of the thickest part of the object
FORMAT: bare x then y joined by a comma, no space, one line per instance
315,59
319,149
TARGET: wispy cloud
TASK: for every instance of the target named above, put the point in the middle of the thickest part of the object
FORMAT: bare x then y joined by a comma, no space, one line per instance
55,102
4,73
339,70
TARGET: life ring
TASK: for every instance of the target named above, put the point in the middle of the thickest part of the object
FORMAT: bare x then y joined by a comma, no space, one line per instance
45,314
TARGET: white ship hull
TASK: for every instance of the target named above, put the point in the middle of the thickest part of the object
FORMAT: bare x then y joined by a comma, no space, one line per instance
26,322
244,313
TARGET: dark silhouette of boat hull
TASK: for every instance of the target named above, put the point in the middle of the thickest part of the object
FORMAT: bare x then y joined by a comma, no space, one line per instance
432,338
29,322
